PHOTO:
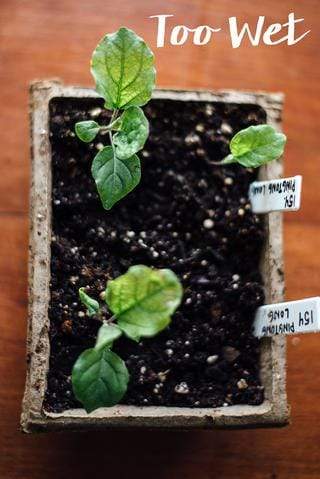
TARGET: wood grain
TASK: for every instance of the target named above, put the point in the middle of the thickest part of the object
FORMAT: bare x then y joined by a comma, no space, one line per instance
46,38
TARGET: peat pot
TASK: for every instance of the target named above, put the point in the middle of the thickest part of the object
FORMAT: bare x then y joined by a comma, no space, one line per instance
41,411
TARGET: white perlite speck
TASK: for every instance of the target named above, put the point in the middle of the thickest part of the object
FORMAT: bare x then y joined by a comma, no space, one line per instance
95,112
228,181
242,384
181,388
208,223
226,128
192,138
212,359
200,128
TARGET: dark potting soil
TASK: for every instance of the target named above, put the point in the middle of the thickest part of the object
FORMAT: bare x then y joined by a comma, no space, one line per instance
187,215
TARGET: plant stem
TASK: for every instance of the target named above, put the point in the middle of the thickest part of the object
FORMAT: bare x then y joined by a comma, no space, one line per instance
112,120
221,163
110,320
99,316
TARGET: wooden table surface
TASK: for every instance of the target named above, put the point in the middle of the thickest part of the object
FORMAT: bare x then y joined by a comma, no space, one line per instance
55,38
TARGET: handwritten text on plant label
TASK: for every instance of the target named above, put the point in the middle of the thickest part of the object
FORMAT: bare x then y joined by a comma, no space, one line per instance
276,195
302,316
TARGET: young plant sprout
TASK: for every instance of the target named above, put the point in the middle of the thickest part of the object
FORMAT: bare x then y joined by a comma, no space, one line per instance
255,146
123,68
142,302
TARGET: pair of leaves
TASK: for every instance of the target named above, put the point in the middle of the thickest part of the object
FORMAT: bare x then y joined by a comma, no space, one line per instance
142,300
255,146
132,132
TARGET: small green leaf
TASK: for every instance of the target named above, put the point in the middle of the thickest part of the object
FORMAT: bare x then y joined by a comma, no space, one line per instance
91,304
133,133
106,335
99,378
87,130
123,68
114,178
255,146
143,299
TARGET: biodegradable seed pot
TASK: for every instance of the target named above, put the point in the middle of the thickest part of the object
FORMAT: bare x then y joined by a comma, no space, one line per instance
205,369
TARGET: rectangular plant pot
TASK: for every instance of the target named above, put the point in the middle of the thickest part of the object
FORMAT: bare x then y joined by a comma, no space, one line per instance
272,412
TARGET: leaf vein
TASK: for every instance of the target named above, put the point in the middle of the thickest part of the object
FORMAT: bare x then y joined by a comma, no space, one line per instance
138,71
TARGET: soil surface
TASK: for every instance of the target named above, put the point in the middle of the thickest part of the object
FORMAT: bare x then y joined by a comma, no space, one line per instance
186,214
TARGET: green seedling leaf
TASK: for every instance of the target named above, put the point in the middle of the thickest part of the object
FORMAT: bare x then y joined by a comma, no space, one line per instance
143,300
106,335
99,378
91,304
115,178
87,130
123,68
133,133
255,146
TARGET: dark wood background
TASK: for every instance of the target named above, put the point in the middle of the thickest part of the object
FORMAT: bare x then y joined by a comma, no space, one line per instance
55,38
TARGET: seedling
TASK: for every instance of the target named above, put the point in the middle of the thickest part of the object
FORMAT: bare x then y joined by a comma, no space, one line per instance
255,146
142,302
123,68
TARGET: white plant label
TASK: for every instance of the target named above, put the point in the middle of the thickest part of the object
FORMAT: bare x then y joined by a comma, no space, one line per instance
292,317
276,195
